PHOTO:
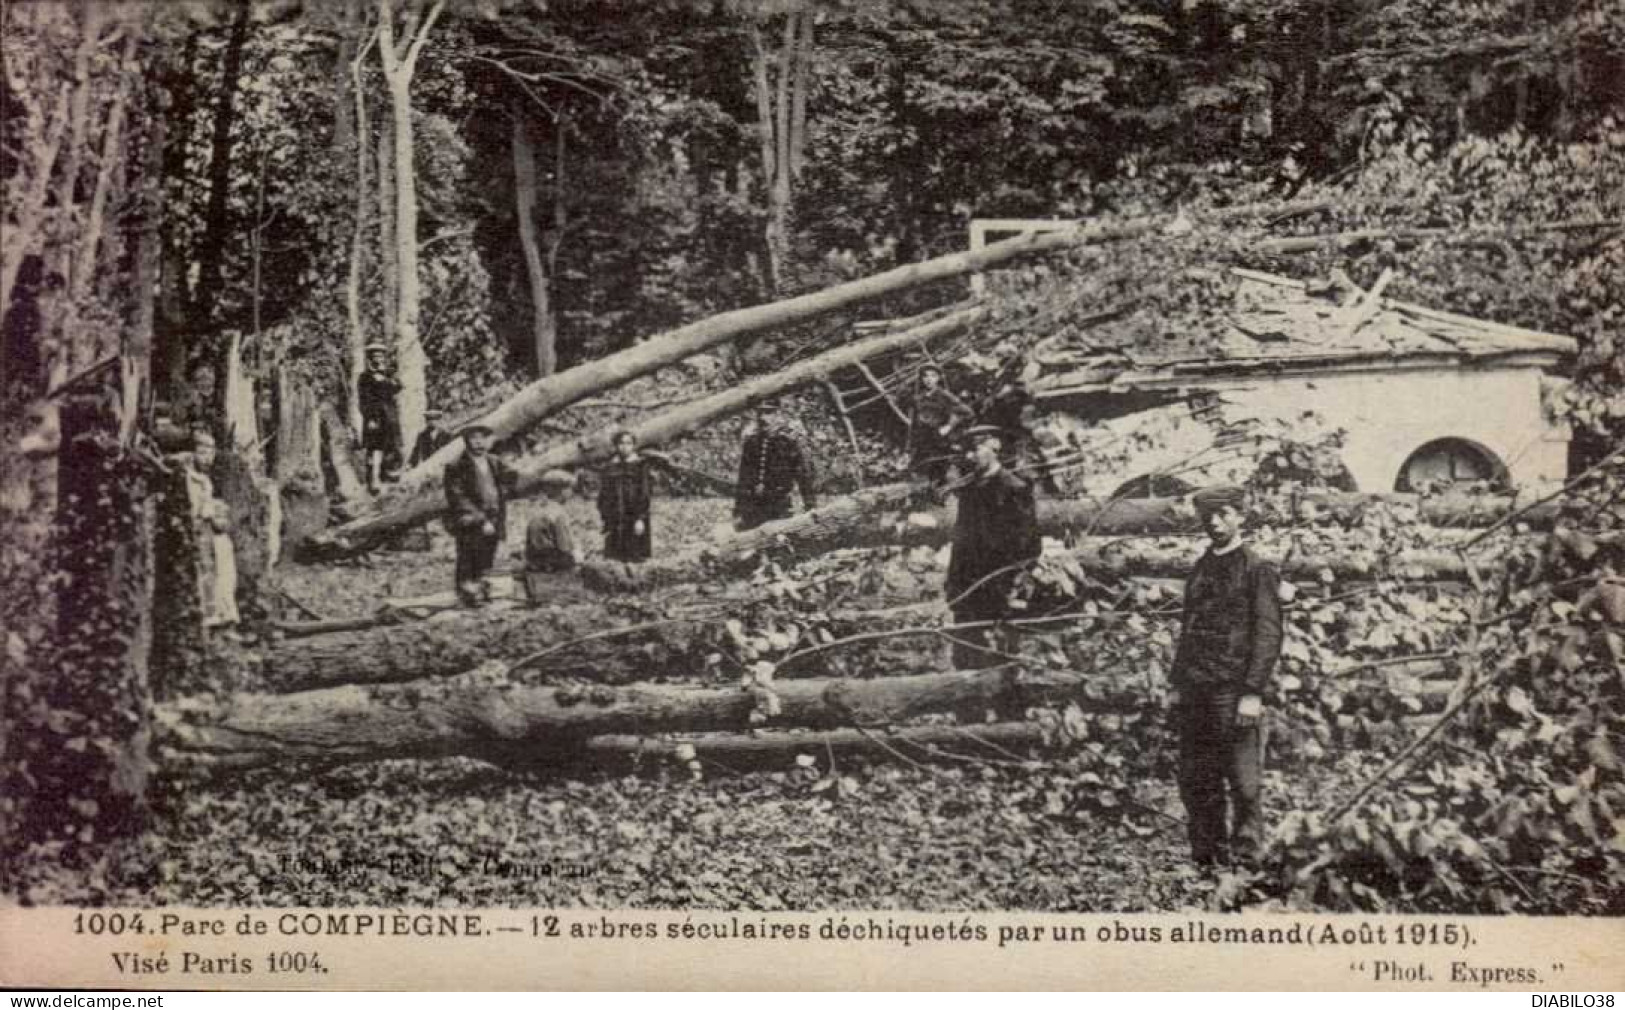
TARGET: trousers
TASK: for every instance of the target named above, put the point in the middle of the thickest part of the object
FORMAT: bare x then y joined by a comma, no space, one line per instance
1221,770
476,553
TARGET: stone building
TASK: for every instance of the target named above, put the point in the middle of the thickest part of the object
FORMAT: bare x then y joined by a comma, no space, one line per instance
1422,397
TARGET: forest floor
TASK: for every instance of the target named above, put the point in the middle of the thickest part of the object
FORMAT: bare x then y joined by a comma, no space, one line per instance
977,834
457,833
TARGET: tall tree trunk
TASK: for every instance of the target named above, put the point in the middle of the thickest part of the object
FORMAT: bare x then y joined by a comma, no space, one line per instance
525,188
399,60
384,194
355,95
217,223
97,790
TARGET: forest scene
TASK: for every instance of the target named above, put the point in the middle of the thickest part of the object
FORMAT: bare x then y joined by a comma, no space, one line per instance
274,271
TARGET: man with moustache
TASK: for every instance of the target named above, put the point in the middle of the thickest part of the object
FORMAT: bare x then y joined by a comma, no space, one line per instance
1229,641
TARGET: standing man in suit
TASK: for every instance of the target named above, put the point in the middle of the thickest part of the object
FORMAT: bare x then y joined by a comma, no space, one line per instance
477,489
1229,641
995,540
771,464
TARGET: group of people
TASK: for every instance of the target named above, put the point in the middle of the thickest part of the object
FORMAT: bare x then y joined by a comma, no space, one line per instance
1230,634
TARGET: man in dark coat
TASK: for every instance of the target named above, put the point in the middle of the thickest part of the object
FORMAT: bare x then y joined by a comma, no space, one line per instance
936,412
1229,641
995,540
430,439
477,488
771,464
380,421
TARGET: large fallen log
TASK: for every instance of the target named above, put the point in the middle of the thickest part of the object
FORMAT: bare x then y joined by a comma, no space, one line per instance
653,431
1102,556
636,646
890,515
499,719
548,395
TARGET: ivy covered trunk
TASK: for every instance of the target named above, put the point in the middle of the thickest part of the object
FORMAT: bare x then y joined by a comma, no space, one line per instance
180,651
87,759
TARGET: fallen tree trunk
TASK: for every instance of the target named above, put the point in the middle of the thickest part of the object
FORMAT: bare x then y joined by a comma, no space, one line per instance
655,430
547,395
497,719
1100,556
617,644
885,515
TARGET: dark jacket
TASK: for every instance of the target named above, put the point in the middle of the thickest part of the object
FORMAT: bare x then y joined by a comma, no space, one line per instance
769,467
933,409
464,509
996,531
376,395
624,493
1230,635
429,442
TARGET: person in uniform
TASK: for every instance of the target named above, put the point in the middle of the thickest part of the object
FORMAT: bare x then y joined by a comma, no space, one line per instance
380,422
995,539
477,487
430,439
211,517
771,465
550,550
935,413
624,494
1230,638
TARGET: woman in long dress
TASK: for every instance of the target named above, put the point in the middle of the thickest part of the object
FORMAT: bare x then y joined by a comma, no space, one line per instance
624,495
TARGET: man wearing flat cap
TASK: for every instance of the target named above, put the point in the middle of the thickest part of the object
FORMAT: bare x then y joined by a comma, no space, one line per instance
1229,641
934,415
995,540
477,489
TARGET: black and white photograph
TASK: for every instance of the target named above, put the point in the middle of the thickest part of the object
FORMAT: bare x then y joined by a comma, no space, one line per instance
856,457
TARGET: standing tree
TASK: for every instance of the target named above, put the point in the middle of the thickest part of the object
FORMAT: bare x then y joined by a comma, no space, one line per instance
398,53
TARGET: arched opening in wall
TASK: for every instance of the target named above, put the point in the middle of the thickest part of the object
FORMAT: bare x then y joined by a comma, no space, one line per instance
1451,462
1154,485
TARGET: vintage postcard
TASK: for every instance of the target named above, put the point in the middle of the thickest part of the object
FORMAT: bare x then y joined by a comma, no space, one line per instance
811,494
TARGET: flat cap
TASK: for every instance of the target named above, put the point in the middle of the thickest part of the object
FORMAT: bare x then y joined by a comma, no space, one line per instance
976,431
201,439
557,478
470,429
1212,499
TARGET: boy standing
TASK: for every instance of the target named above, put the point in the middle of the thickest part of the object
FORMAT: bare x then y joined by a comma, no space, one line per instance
1229,641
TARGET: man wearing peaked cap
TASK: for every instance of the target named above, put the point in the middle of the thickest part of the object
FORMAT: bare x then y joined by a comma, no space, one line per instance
995,540
1230,638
